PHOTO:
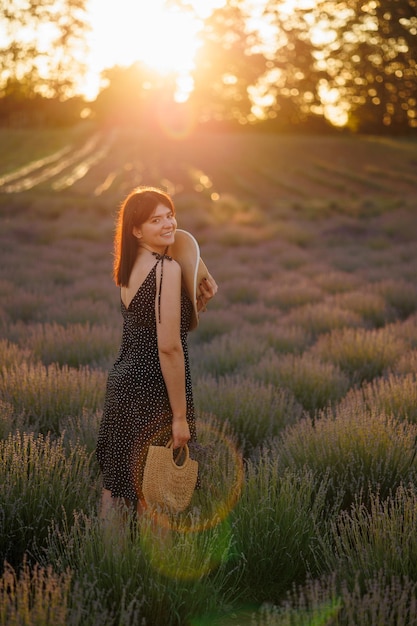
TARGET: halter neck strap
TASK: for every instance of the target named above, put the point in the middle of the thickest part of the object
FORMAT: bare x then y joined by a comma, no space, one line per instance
161,257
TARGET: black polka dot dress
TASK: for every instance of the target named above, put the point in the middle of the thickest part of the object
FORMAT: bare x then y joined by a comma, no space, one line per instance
137,411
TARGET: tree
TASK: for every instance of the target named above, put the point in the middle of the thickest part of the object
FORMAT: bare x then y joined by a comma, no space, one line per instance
254,66
373,62
227,66
293,76
68,64
44,40
133,95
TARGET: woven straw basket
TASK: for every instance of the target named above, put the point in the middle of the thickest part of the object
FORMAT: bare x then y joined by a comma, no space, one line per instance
166,484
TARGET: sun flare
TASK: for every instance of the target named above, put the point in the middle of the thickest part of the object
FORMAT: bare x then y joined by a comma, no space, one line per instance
165,38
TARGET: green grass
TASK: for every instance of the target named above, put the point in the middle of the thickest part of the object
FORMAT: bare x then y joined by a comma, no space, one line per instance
364,450
323,317
407,364
313,382
286,337
393,395
74,345
329,602
12,356
275,526
141,576
37,143
229,353
378,538
40,483
34,596
46,394
370,307
285,297
362,354
254,411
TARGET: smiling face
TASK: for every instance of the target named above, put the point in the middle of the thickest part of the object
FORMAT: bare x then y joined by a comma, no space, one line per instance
158,231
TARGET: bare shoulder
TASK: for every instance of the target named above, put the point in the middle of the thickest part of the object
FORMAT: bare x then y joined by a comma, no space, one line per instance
171,272
172,268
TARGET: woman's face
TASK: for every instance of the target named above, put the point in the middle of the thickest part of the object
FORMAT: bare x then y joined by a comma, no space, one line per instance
158,231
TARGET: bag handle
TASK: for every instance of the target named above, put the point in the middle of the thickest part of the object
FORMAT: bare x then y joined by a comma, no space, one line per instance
182,449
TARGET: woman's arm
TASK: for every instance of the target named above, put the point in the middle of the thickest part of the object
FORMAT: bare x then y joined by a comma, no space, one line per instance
171,355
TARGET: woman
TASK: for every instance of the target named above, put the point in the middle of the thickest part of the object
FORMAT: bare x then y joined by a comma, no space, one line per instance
149,395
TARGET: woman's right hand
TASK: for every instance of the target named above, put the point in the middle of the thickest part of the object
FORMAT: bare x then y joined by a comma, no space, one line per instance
208,289
180,432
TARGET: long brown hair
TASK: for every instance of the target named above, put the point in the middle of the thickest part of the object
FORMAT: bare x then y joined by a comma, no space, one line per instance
134,211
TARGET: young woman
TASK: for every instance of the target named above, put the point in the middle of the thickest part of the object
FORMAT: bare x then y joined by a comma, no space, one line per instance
149,394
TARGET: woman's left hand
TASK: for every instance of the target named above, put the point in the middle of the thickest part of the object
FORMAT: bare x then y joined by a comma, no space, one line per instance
208,289
180,432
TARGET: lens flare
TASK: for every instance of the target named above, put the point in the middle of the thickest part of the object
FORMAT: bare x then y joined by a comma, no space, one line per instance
176,119
191,544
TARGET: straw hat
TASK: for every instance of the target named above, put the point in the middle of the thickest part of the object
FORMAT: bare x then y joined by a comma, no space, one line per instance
185,250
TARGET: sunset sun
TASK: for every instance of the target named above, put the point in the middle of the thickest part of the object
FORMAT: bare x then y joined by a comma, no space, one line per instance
165,38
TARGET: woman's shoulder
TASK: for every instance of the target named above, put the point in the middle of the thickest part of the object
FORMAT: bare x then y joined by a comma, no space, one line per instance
169,272
172,266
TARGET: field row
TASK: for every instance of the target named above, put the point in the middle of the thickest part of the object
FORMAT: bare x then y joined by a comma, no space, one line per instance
287,169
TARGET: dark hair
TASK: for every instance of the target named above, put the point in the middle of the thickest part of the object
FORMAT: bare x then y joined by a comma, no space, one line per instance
134,211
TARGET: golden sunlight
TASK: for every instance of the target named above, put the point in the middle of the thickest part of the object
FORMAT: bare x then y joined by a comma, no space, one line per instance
164,37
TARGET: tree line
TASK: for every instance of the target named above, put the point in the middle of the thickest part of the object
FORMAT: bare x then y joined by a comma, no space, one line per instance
326,62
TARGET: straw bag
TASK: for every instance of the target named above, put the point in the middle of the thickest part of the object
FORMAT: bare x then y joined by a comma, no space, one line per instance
166,484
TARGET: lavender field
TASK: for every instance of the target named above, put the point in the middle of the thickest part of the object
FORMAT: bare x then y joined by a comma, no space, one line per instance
304,370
